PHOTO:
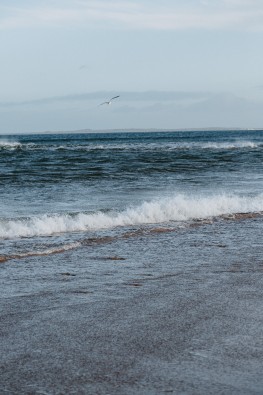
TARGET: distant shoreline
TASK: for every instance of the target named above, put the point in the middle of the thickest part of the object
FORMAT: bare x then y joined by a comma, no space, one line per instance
135,130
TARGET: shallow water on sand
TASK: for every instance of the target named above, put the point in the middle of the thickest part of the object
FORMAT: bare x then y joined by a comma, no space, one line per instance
109,267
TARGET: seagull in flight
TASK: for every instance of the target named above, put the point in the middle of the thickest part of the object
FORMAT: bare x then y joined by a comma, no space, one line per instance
109,102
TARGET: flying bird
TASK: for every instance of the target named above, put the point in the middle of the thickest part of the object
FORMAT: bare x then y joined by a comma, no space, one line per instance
109,102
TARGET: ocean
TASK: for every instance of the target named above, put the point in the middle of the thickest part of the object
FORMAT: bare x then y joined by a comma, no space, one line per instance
131,263
93,197
86,192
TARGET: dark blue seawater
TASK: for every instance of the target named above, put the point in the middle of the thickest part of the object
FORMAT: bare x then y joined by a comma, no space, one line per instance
60,192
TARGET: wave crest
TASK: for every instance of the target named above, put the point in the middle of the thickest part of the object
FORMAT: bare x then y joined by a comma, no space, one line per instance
12,145
178,208
134,146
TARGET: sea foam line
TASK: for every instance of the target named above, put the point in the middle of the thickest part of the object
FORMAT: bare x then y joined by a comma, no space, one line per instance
177,208
45,252
133,146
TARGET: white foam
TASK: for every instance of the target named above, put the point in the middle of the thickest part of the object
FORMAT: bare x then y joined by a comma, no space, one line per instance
5,144
213,145
137,146
49,251
171,146
230,145
177,208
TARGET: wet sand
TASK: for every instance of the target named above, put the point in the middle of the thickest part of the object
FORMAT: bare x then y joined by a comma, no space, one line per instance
193,332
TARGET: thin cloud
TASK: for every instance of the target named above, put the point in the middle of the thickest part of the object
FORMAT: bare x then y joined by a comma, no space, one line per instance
147,96
201,14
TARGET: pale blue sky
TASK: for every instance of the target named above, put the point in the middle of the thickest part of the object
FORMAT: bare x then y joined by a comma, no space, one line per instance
174,63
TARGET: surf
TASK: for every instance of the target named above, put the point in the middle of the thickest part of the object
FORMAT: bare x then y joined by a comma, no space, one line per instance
178,208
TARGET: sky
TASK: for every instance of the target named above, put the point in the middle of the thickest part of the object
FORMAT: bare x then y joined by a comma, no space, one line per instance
176,64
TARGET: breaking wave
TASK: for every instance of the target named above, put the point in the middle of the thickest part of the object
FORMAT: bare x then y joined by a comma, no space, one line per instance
11,145
231,145
162,147
178,208
172,146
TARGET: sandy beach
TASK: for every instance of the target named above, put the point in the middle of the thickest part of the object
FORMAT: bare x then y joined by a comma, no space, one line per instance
191,331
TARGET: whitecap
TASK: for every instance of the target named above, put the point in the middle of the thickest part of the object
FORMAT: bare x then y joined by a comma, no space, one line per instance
5,144
175,208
